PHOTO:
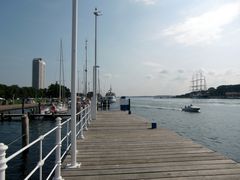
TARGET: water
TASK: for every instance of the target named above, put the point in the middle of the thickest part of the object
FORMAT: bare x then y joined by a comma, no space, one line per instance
217,126
21,165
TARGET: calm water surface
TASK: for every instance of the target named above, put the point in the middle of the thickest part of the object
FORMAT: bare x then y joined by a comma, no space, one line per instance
10,134
217,126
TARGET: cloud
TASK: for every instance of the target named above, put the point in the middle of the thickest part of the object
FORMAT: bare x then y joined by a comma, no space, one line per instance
163,71
107,76
147,2
211,73
152,64
149,76
180,71
179,78
204,28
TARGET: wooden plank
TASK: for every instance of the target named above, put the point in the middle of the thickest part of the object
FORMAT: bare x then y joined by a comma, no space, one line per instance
16,106
121,146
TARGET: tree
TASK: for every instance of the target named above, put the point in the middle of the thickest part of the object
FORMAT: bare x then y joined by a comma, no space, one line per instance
53,91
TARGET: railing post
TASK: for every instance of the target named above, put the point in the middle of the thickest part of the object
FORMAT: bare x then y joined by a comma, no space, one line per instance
3,161
88,115
58,150
40,158
85,119
67,133
81,125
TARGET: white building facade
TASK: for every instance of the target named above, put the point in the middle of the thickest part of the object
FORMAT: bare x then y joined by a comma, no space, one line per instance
38,73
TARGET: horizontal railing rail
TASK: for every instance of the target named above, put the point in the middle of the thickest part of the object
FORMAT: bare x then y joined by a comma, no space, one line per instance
83,120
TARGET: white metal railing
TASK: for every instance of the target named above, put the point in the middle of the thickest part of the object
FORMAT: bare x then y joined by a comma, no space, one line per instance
83,117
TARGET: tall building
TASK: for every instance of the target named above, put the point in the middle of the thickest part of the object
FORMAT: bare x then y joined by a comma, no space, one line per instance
38,73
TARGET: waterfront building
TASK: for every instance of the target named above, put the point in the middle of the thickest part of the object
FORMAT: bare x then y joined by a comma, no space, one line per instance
38,73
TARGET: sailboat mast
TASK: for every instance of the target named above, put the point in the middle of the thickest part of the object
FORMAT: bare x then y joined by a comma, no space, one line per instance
60,73
63,80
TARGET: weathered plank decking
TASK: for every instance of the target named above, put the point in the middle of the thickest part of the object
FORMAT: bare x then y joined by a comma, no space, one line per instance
16,106
122,146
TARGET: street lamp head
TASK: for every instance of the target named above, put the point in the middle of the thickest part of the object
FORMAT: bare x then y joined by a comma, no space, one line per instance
97,13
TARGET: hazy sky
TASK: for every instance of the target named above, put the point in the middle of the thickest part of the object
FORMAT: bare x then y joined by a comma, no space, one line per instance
145,47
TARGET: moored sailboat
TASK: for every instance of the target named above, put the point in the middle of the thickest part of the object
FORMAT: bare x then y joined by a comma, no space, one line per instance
61,106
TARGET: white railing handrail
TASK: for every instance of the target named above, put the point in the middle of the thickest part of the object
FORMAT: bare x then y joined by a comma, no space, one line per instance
84,119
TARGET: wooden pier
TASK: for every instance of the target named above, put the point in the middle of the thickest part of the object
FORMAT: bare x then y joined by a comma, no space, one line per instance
122,146
10,117
16,106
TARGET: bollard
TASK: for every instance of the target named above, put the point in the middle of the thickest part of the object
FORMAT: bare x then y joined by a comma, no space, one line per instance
25,131
58,150
129,107
154,124
3,161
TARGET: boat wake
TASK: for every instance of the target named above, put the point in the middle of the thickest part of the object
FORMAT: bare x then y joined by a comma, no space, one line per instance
156,107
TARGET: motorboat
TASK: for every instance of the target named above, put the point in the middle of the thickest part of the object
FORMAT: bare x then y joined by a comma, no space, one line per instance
191,108
111,99
111,96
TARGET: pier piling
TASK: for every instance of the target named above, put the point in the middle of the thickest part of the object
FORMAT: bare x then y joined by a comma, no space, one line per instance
129,106
25,130
23,106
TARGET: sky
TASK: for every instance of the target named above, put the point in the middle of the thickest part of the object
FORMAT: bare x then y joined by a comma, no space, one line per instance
145,47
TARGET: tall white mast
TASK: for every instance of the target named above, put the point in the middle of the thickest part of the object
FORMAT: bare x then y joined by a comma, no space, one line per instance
63,80
60,73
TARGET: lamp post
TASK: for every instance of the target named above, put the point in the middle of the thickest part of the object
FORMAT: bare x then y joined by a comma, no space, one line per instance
94,109
74,163
85,91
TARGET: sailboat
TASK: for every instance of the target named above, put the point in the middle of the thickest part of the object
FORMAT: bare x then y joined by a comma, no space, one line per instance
58,105
61,106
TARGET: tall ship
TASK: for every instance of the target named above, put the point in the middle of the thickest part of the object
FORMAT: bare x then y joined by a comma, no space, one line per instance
199,85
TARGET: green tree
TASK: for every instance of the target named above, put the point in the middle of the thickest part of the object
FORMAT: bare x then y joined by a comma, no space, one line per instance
53,91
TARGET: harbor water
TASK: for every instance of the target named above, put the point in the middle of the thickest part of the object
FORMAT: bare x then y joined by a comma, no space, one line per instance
23,164
217,126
